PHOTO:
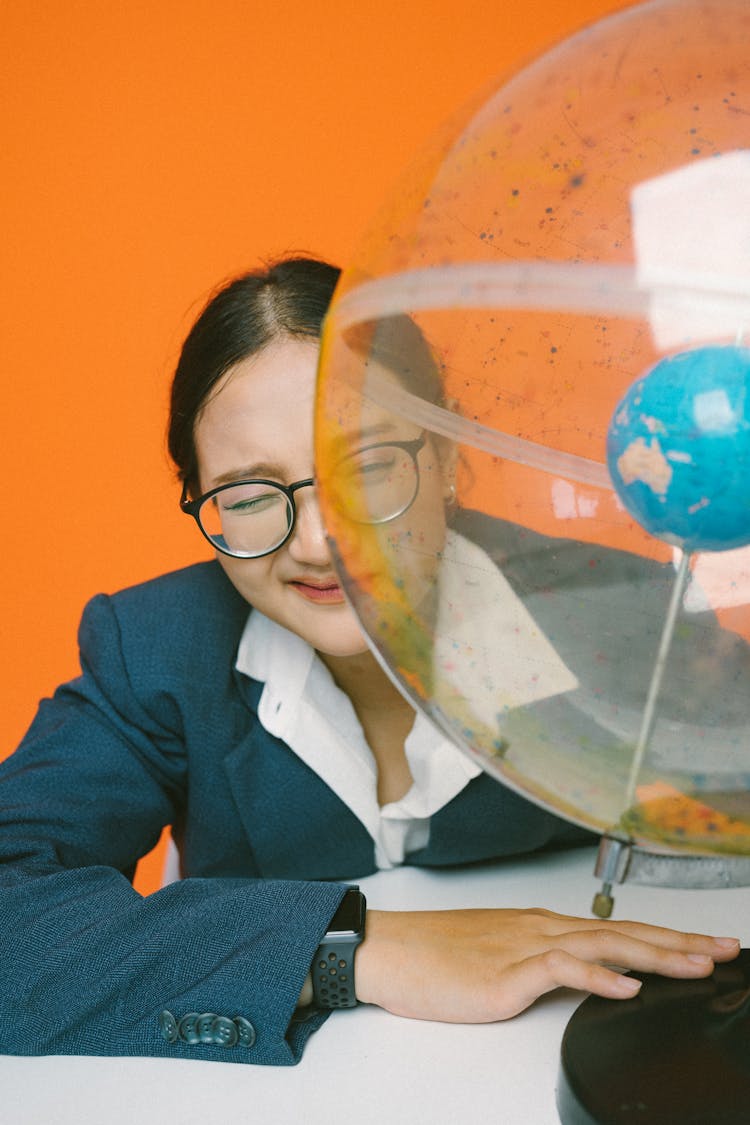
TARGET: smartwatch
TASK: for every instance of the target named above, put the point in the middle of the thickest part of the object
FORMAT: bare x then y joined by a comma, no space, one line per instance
333,968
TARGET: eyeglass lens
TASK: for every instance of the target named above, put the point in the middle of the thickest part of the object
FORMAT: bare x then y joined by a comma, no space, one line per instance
376,484
247,519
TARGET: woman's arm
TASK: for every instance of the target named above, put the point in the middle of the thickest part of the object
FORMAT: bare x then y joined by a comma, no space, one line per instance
88,966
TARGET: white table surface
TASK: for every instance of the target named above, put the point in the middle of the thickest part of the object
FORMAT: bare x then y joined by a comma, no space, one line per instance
366,1066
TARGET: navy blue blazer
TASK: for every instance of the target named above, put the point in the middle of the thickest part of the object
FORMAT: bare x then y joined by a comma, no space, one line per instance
161,729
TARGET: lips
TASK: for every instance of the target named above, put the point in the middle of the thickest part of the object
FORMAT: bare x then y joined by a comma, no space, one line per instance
322,593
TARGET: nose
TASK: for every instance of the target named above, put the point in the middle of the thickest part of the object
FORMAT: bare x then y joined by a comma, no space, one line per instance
308,543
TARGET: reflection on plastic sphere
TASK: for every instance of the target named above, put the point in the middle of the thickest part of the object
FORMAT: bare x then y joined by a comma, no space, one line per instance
678,449
583,225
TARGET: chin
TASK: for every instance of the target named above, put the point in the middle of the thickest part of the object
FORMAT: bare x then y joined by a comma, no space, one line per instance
340,646
334,631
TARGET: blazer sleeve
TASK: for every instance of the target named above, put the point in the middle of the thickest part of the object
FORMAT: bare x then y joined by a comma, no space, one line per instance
89,966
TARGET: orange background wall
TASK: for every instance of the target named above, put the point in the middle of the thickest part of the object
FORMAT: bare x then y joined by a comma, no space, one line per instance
150,150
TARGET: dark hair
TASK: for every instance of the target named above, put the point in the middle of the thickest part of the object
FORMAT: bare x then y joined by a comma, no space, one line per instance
287,298
398,343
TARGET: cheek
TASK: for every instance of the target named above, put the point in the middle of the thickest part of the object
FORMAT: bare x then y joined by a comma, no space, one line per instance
250,577
415,541
424,523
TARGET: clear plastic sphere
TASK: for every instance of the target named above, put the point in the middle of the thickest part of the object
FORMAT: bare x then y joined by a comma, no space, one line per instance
586,223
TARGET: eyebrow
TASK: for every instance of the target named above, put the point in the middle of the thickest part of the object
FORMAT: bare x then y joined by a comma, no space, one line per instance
378,429
344,442
265,470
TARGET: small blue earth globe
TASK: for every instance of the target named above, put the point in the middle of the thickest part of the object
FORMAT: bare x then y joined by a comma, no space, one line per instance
678,449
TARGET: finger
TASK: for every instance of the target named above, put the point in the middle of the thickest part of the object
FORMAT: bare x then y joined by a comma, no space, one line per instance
718,948
523,983
617,948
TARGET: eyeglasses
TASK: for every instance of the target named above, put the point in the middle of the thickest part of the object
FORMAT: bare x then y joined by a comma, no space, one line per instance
248,519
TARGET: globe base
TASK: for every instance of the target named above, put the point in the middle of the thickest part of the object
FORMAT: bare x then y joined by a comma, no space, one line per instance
677,1053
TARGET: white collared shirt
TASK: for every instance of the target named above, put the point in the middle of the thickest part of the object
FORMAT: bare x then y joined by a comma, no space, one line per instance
477,675
302,705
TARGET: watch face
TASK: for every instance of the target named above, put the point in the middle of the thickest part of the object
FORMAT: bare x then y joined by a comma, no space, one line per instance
350,916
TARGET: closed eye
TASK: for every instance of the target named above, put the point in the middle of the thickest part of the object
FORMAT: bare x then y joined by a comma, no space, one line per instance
252,505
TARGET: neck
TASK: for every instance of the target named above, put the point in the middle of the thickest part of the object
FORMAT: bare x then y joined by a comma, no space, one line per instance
385,715
364,681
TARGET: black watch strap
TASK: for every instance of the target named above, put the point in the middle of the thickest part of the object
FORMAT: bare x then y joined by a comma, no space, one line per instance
333,967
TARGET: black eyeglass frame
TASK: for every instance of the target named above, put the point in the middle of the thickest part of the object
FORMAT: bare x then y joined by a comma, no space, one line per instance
413,447
193,507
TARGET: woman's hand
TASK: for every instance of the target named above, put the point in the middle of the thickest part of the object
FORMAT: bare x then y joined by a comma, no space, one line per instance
477,966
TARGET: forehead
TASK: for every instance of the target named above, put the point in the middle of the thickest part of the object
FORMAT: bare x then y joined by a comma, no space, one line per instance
261,411
368,406
287,366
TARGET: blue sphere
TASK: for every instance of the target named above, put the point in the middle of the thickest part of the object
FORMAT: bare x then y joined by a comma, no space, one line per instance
678,449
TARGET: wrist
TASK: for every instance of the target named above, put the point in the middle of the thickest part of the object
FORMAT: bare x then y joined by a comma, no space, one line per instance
372,957
306,995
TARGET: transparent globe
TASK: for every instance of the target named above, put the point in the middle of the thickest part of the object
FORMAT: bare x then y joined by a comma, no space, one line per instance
556,303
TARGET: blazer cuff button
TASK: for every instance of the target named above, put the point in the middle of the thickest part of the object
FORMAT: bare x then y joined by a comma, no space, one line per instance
245,1030
168,1026
224,1032
188,1028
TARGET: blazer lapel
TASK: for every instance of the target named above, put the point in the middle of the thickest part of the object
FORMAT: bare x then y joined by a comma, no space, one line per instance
296,826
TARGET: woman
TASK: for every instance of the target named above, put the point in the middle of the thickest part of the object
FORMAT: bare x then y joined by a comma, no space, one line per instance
283,757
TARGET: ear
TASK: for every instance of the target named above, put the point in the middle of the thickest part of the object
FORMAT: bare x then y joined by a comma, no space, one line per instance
448,451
